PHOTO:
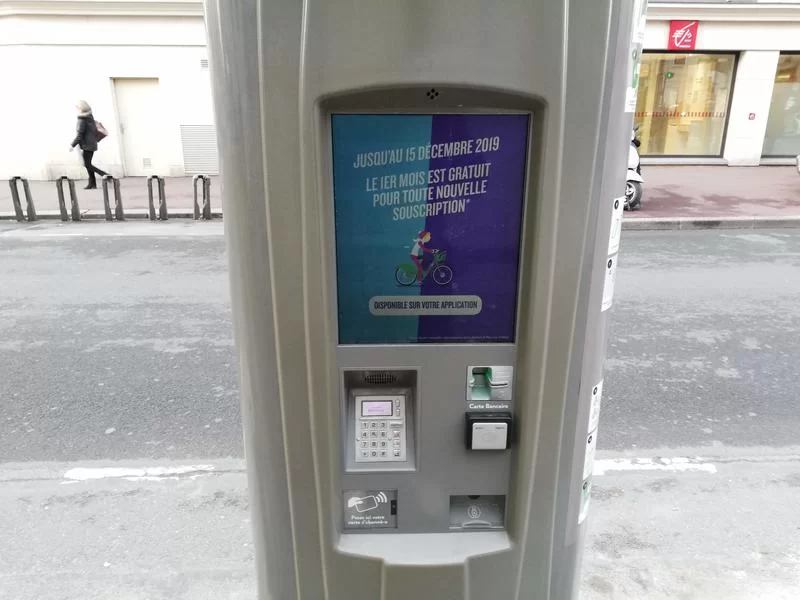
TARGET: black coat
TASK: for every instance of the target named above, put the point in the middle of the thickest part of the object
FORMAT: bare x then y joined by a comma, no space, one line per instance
87,134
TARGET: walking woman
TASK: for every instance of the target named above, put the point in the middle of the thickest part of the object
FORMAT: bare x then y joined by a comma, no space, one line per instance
86,140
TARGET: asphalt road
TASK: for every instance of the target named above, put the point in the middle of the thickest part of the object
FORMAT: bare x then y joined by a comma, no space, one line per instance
704,341
119,410
115,347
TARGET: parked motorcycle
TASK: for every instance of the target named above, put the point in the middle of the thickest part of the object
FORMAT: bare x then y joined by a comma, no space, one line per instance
634,182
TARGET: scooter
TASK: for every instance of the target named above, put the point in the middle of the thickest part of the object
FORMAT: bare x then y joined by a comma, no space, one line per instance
633,182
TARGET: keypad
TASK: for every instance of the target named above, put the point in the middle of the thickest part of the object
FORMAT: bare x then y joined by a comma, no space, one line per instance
381,438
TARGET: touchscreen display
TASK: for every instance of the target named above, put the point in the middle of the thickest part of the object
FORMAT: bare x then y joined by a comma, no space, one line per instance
428,216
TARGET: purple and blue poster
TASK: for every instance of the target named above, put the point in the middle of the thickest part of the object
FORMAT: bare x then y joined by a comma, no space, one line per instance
428,212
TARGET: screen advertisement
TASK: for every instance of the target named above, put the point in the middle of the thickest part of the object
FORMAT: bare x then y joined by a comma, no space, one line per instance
428,217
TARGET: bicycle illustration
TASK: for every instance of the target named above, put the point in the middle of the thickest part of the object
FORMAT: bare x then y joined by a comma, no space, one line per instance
407,274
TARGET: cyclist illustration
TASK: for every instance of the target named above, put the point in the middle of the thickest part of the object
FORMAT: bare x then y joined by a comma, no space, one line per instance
408,274
418,251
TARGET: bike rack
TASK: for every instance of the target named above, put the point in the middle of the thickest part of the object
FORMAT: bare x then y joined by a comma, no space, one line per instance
119,213
162,199
73,199
13,184
206,213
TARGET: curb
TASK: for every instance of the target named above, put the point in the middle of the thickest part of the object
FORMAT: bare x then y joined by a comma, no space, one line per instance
705,223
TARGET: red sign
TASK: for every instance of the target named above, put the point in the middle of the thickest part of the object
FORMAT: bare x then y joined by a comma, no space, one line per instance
682,35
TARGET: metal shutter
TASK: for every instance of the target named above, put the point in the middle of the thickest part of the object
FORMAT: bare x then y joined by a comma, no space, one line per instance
199,149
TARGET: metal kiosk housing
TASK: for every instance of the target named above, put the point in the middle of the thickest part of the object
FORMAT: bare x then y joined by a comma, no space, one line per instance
495,522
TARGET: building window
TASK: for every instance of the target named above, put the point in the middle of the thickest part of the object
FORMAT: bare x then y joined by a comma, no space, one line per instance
682,106
783,124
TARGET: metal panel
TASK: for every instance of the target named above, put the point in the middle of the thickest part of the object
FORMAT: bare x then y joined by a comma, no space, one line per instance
287,67
199,149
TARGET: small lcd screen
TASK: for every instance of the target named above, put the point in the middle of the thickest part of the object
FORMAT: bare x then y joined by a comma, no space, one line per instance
376,409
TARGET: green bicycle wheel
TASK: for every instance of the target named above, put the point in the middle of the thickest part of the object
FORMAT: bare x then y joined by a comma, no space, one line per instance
405,276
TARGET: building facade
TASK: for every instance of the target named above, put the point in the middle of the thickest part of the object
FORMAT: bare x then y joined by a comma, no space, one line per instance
142,66
719,83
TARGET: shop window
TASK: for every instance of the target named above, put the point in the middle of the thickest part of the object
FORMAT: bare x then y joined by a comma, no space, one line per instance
783,125
682,106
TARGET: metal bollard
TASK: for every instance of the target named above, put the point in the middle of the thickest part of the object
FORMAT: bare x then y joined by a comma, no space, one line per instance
162,198
206,211
73,199
119,213
16,201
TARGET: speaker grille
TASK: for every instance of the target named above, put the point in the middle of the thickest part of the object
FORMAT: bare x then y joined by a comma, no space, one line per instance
380,378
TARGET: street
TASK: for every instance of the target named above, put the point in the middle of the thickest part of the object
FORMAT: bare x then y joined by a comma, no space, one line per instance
117,347
116,351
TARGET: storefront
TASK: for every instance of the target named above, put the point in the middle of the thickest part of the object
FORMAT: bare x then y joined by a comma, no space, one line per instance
683,101
719,83
783,125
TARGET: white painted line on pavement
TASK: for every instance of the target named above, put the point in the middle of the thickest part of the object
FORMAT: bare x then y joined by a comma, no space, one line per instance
136,474
675,464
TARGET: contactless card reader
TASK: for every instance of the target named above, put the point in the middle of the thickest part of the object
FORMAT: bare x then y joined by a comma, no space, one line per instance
489,431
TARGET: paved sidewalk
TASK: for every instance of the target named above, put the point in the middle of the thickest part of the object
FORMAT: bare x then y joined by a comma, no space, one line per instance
180,199
677,197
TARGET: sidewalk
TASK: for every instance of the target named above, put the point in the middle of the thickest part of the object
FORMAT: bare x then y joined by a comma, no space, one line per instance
180,200
703,197
684,197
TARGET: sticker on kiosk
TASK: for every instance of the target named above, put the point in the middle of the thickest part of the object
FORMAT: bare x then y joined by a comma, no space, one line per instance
615,235
428,216
609,282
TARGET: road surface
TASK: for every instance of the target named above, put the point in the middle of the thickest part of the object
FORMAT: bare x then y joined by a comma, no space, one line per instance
116,352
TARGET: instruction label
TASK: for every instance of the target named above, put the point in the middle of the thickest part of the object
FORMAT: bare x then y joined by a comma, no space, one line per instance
635,53
610,281
370,509
594,408
586,496
618,205
428,214
591,451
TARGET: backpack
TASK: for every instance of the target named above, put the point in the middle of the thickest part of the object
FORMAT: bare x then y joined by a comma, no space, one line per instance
101,131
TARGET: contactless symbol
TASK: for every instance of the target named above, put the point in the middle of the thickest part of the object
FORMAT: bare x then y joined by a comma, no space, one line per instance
367,503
